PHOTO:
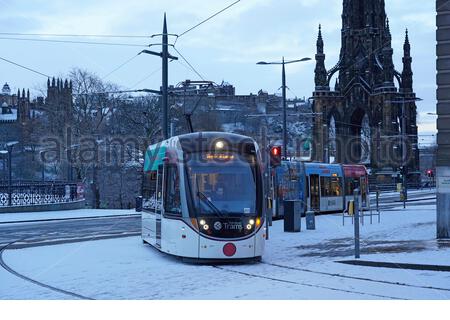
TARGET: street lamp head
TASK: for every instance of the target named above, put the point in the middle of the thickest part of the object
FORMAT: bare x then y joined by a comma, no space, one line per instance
4,152
305,59
262,63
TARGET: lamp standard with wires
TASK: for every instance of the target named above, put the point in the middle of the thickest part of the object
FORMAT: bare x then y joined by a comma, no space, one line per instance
284,63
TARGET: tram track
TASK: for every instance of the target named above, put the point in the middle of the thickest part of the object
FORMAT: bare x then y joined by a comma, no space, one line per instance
9,269
306,284
337,275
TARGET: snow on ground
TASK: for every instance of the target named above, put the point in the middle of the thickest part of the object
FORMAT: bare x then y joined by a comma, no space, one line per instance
50,215
126,269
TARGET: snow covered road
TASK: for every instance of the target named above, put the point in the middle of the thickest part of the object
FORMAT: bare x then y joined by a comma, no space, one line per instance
295,266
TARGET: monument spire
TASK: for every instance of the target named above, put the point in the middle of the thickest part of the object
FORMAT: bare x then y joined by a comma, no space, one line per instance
320,71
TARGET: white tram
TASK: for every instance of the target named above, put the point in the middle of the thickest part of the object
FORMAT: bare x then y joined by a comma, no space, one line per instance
202,197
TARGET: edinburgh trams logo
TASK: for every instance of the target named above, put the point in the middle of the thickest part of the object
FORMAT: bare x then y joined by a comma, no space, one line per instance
218,226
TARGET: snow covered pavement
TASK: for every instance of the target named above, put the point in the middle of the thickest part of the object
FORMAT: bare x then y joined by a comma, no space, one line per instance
58,215
295,266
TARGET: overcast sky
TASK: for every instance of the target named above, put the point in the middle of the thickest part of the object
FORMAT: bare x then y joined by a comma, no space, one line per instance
225,48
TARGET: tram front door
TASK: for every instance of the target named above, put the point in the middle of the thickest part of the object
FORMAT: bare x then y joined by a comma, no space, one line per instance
314,183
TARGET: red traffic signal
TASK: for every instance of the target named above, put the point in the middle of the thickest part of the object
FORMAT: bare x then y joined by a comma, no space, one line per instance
430,173
275,156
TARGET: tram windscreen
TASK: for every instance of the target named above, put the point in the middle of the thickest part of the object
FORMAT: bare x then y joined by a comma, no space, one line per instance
223,185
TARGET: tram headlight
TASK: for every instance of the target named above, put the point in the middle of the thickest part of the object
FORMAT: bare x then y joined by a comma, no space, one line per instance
202,222
220,145
252,222
249,227
205,227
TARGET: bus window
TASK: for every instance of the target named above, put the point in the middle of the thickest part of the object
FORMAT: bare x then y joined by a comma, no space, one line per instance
172,201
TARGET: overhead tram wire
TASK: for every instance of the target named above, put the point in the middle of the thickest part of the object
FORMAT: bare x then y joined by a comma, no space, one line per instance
24,67
120,66
74,35
206,20
146,77
131,36
76,42
189,64
134,36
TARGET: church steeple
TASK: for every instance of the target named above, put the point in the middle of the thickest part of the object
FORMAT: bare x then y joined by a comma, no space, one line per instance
360,14
366,45
320,71
407,74
388,32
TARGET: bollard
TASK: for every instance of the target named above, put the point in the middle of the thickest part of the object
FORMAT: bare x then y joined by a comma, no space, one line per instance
139,203
378,200
310,220
292,216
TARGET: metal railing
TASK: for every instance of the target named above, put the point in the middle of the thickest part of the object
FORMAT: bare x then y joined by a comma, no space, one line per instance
39,193
393,186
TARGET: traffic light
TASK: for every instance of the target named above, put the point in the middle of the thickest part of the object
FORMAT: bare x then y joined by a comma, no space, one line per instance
275,156
430,173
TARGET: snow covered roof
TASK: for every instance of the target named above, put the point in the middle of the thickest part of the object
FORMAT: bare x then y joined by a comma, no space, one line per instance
9,116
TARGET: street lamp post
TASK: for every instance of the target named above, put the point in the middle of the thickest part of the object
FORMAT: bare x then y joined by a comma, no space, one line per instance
4,154
9,148
284,87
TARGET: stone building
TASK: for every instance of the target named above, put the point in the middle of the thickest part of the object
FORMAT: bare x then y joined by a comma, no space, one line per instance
359,120
218,108
22,118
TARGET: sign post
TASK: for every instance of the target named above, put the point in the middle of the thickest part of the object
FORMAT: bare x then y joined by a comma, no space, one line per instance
357,233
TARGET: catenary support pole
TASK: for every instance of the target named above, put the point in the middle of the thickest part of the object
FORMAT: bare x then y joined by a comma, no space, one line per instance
165,79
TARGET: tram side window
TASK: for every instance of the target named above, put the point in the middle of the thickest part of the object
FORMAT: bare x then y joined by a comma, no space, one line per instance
350,186
149,189
172,201
336,187
330,186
